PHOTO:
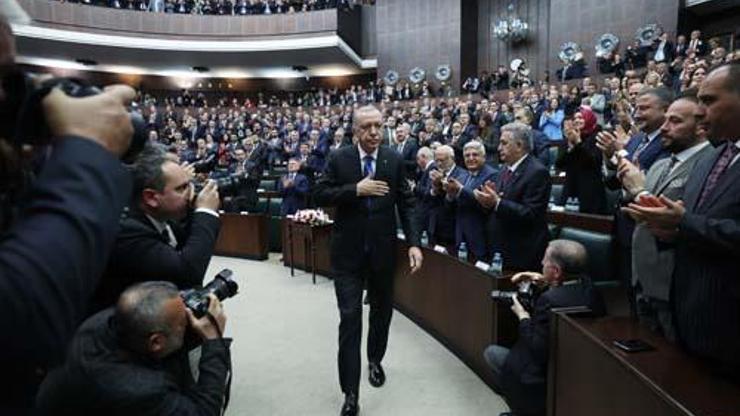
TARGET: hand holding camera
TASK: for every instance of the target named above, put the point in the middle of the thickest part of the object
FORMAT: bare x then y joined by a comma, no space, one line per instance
203,326
102,118
208,197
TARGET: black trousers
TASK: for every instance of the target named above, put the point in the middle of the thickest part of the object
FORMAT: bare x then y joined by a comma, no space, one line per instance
348,285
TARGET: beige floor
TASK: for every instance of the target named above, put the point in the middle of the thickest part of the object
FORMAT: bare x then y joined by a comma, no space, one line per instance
284,354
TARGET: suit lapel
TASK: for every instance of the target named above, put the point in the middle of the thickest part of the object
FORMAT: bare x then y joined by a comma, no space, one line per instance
700,173
381,164
681,170
354,160
731,175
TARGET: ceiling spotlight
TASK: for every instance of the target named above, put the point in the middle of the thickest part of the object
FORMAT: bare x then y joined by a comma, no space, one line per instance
200,69
299,68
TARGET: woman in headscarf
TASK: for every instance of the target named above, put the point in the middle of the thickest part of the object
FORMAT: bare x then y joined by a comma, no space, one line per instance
581,161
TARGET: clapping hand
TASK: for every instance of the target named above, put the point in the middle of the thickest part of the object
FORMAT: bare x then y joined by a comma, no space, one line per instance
453,187
487,196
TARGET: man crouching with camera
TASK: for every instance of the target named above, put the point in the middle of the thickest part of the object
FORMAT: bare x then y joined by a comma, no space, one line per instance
132,359
520,373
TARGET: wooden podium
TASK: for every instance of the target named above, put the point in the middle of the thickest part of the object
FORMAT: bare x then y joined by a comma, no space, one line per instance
243,235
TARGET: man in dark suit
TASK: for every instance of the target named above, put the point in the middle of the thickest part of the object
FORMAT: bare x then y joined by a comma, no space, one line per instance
293,188
642,149
517,201
367,184
652,261
132,360
424,200
442,216
51,257
406,147
470,218
152,243
389,131
705,226
520,373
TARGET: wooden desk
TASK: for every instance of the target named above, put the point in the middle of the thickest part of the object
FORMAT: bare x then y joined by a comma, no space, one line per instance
590,222
589,376
243,235
305,246
451,301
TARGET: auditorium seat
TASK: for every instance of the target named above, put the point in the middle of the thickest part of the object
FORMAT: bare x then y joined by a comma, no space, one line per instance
268,185
556,192
262,205
599,248
275,225
553,153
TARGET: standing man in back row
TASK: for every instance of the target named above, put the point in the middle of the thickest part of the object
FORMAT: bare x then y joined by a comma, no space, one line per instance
366,183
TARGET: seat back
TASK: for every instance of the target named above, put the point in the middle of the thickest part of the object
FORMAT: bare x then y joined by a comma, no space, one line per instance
556,191
599,248
268,185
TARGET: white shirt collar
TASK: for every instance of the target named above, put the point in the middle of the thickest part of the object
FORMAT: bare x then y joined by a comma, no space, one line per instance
685,154
363,154
653,135
159,225
516,164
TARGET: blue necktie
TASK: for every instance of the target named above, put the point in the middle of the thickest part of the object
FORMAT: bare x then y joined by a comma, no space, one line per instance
368,171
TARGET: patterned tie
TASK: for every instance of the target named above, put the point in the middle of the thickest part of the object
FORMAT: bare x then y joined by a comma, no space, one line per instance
505,178
640,147
368,171
664,175
720,167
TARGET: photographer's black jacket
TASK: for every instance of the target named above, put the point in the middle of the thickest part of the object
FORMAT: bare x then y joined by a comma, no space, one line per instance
141,254
51,260
524,376
102,378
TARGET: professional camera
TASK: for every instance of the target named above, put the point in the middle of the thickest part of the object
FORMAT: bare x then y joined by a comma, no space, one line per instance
22,117
227,185
527,294
222,286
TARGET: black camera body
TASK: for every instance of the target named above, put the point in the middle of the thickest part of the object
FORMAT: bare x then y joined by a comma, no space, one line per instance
23,118
197,300
528,293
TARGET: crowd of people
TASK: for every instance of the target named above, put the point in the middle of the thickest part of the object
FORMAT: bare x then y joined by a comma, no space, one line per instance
224,7
120,248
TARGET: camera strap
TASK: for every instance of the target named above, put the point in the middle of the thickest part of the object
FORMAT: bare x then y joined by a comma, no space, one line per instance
227,392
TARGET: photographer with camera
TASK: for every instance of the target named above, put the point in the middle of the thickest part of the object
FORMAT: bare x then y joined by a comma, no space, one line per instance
167,234
133,359
57,223
520,373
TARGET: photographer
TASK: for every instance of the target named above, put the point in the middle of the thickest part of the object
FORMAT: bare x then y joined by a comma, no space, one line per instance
154,242
57,230
520,373
131,359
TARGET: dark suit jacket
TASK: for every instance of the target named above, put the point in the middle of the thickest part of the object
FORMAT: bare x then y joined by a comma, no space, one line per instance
583,178
294,197
524,376
442,215
100,377
470,218
141,254
408,156
424,200
518,227
706,288
654,151
51,260
358,226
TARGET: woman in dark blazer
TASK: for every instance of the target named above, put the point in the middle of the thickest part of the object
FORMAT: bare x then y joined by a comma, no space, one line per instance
581,161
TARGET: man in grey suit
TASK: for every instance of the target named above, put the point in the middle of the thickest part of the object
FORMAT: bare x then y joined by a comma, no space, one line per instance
684,136
705,226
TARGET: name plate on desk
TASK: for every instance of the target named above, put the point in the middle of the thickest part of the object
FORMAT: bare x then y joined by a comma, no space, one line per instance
440,249
482,265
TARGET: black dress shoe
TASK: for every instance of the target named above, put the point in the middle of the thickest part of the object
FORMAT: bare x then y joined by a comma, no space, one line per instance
350,406
376,374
